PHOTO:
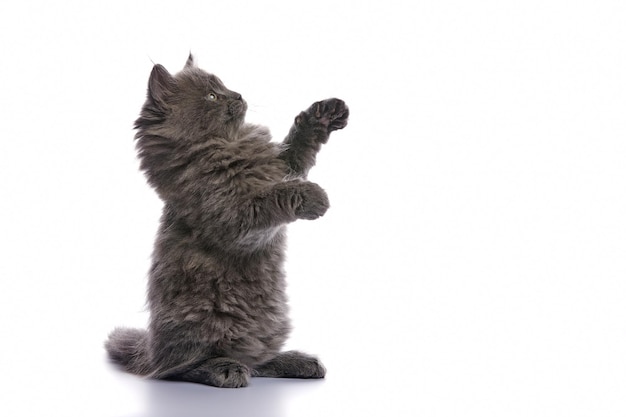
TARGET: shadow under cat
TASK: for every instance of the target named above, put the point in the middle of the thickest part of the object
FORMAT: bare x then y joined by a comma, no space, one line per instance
264,397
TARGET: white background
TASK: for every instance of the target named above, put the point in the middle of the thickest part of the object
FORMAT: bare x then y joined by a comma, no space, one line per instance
472,263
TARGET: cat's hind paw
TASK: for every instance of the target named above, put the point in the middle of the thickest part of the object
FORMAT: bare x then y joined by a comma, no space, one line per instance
230,375
292,364
218,372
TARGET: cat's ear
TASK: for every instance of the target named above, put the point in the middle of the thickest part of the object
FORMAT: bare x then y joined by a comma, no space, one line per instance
190,61
161,84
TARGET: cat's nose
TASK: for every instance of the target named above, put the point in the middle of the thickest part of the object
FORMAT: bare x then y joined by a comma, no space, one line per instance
238,96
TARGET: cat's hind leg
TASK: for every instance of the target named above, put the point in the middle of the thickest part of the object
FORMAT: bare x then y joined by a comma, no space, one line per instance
291,364
218,372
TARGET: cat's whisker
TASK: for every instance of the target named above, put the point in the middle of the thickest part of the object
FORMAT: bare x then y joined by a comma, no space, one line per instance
255,108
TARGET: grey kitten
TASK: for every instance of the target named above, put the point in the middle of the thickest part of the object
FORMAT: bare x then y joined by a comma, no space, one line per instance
216,290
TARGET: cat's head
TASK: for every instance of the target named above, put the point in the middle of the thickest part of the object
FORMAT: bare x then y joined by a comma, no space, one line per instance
191,105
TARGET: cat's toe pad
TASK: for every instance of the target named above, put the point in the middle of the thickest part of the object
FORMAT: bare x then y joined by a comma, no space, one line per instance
331,113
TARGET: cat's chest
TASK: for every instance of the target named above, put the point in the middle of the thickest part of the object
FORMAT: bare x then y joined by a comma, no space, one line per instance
253,166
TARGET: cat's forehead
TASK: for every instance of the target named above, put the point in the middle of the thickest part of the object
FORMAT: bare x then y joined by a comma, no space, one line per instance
200,78
211,79
214,80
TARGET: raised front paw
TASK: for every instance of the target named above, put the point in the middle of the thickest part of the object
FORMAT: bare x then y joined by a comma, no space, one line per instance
331,114
313,201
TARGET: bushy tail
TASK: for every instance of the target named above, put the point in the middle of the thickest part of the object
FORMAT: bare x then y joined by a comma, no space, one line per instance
129,348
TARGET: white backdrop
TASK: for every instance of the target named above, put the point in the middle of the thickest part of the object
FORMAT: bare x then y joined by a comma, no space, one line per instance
472,263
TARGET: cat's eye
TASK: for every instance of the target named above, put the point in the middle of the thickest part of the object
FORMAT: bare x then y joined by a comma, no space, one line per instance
212,97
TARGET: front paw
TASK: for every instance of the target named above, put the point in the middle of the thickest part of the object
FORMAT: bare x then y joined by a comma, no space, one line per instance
313,201
331,114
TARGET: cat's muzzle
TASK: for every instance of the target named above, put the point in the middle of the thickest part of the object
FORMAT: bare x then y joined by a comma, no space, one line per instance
237,108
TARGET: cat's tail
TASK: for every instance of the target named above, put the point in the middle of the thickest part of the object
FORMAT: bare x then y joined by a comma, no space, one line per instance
129,348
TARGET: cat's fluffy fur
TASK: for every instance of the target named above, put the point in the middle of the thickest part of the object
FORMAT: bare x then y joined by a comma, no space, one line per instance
216,290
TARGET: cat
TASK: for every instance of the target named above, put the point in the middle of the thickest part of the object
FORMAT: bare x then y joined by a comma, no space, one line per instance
216,287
